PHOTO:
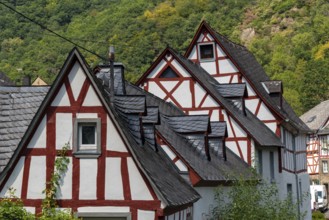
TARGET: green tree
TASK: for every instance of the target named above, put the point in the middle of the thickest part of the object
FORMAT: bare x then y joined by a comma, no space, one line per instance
250,200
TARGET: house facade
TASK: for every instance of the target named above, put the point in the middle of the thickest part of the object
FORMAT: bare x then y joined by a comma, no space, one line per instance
318,143
223,79
131,155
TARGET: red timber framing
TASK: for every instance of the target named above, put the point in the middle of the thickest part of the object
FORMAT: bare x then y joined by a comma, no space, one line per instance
194,177
313,156
204,35
205,103
50,152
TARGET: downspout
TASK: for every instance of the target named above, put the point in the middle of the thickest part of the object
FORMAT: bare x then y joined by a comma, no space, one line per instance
296,176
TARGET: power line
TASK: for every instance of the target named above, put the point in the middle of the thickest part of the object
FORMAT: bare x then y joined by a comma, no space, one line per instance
51,31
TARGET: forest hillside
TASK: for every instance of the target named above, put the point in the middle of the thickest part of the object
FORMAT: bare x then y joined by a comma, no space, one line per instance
288,37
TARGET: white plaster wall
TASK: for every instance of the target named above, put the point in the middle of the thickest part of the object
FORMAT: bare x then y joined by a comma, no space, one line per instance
244,148
91,98
226,66
233,147
239,132
145,215
209,66
113,139
138,188
157,69
220,52
215,115
209,102
39,137
76,79
64,129
251,105
168,151
61,99
266,164
15,180
180,69
113,179
183,94
30,209
264,113
37,177
250,91
271,126
181,166
169,85
88,179
199,93
87,115
200,38
204,112
65,189
223,79
207,201
156,90
193,55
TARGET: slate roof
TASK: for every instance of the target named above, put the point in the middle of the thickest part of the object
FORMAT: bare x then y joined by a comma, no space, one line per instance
256,74
273,86
316,117
232,90
18,105
4,80
217,170
171,186
189,123
257,129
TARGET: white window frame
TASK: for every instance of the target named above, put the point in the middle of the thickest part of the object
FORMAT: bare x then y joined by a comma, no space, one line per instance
84,215
91,150
199,51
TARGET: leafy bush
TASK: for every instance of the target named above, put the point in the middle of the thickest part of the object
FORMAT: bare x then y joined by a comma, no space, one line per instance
317,215
11,208
250,200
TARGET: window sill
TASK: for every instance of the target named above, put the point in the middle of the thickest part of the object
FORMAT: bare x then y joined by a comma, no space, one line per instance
86,154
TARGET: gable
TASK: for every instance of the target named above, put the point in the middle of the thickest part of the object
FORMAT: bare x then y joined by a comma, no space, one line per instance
109,173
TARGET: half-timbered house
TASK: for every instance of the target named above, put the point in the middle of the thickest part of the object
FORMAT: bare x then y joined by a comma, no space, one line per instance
132,155
317,119
223,79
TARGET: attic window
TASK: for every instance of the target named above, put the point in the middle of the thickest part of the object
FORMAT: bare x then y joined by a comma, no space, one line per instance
87,137
206,51
169,73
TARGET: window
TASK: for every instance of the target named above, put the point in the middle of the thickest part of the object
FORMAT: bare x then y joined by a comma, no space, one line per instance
324,143
289,191
206,51
272,166
325,166
169,73
87,137
259,162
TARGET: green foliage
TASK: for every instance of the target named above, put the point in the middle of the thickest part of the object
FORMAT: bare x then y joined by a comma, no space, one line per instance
11,208
251,201
287,33
317,215
49,203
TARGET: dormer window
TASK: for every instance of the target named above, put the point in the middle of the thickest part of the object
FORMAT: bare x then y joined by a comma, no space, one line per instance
206,51
87,137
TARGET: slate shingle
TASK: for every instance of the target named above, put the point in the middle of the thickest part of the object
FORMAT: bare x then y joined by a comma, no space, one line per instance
18,106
